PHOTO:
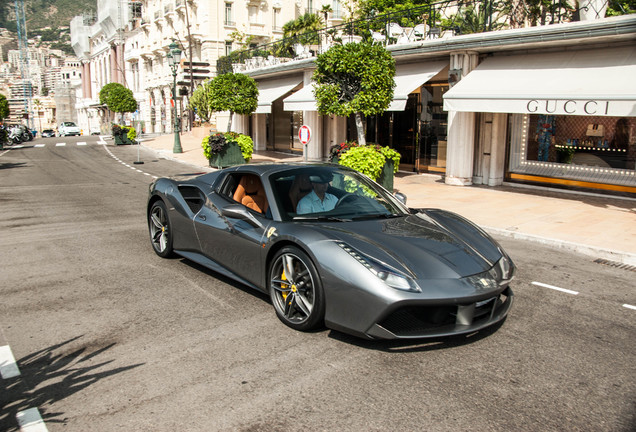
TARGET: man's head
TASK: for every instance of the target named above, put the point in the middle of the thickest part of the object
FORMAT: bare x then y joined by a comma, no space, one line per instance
320,183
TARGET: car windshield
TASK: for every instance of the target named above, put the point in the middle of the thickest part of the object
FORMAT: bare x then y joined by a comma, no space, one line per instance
68,124
331,193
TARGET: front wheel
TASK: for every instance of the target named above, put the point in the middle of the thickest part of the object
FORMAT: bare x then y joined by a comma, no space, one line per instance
160,230
296,291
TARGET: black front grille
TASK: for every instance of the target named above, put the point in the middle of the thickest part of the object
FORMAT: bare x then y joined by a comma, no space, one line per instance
419,319
422,320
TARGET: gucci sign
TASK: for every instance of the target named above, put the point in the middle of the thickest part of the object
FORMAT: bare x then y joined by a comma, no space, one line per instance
577,107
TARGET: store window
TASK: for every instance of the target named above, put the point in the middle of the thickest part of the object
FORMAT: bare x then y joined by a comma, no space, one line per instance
582,148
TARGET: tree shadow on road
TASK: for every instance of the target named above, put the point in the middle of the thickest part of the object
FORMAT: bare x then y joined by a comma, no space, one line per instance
9,165
48,376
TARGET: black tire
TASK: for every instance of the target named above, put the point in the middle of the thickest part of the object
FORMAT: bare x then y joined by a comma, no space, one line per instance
296,290
160,230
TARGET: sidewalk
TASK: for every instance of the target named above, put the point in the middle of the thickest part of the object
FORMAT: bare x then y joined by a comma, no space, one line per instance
602,227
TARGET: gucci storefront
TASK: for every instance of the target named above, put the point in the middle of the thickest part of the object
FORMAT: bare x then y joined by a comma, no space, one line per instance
569,116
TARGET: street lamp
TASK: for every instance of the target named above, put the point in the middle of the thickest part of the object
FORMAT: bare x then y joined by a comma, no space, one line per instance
174,58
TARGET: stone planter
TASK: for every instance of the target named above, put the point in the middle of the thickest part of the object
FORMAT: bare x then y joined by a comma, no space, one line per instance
231,155
387,175
122,140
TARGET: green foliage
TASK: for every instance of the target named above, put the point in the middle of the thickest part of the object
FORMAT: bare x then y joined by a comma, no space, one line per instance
132,134
621,7
104,93
389,153
216,142
236,93
4,107
213,144
117,98
354,77
304,29
199,102
247,146
232,92
119,130
364,159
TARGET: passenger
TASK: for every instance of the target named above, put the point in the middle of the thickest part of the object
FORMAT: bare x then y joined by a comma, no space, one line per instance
318,200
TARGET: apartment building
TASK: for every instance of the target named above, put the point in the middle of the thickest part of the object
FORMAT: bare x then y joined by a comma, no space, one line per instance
128,42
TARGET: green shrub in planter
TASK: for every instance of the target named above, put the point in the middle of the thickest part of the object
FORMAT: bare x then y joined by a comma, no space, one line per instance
123,134
378,163
226,149
364,159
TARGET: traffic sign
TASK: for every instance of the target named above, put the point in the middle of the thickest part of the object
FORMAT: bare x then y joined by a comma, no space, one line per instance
304,134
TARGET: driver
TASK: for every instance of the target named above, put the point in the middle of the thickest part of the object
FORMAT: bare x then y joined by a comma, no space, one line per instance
318,200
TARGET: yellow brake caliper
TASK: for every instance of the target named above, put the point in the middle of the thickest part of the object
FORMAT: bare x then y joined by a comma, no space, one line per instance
284,286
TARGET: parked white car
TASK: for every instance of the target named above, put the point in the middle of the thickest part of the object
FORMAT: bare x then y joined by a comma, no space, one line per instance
68,128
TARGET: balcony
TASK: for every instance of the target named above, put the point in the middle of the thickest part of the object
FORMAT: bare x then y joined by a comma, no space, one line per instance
168,11
158,17
428,24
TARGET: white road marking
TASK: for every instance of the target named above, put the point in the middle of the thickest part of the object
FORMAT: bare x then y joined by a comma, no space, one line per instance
628,306
40,145
60,144
552,287
8,366
31,421
81,143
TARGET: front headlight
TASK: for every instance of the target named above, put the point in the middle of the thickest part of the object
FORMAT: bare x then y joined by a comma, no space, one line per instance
499,275
389,276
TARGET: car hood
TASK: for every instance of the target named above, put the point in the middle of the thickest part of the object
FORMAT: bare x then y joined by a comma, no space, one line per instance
431,243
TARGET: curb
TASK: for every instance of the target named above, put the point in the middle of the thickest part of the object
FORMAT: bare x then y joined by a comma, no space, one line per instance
592,251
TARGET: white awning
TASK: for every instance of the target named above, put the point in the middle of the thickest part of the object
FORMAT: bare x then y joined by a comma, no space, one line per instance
409,78
269,91
302,100
592,82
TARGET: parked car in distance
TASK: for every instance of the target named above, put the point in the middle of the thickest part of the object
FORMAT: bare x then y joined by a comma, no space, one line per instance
48,133
68,128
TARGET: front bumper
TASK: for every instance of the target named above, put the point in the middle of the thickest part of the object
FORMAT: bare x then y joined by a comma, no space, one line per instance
413,321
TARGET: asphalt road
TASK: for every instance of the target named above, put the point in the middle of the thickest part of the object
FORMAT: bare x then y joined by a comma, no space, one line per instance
109,337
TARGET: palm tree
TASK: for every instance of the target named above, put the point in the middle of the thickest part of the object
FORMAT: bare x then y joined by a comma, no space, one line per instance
37,104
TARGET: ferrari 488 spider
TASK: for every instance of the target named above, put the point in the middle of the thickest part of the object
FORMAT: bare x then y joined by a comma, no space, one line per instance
333,248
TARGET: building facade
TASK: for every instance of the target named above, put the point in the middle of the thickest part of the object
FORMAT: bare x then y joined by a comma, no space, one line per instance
128,42
553,105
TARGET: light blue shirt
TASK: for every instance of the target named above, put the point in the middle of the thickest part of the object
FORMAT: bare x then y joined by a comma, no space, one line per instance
310,203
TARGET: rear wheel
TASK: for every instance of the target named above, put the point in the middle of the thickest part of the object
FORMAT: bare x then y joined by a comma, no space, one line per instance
295,289
160,230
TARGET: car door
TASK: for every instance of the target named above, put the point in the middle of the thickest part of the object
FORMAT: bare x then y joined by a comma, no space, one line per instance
232,235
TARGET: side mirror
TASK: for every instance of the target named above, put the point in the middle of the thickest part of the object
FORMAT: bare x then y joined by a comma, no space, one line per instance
401,197
237,211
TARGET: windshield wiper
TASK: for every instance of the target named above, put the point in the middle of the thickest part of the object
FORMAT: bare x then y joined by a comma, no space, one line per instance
377,216
321,218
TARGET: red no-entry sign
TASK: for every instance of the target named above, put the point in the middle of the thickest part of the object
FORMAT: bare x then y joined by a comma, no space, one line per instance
304,134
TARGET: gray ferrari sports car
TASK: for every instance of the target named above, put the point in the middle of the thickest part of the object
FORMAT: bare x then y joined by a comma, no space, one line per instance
333,248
